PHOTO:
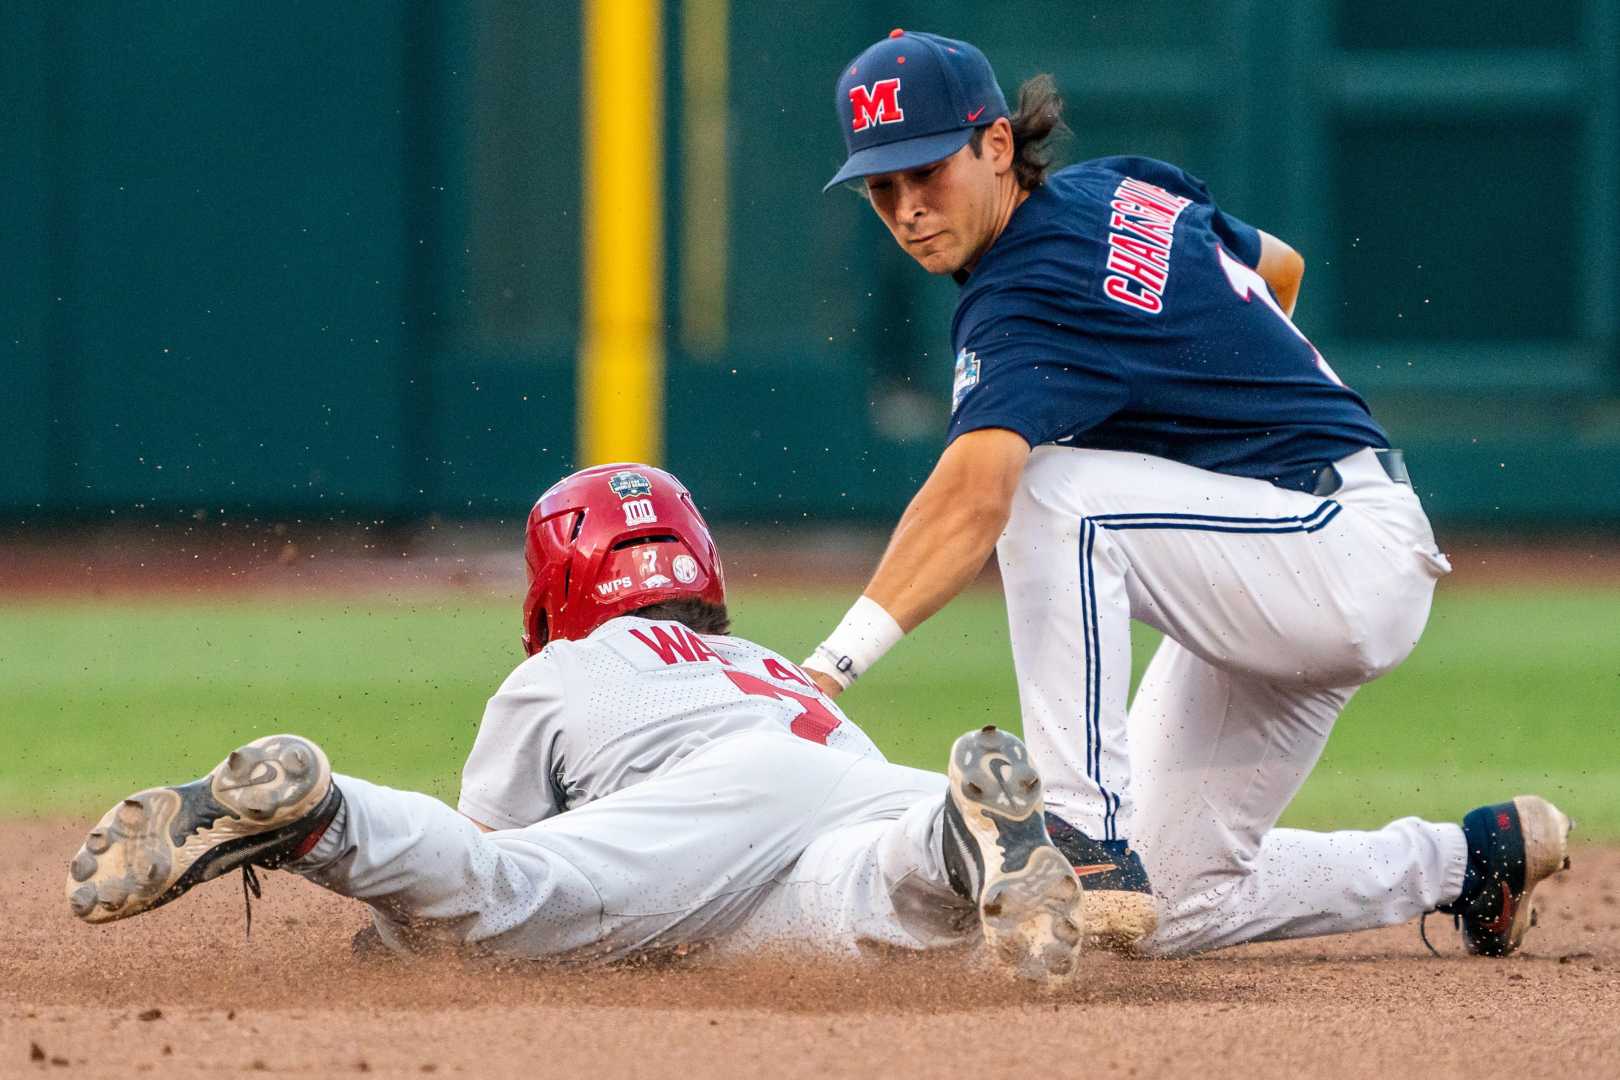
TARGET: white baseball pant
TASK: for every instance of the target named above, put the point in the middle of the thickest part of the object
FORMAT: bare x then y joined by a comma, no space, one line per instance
760,840
1275,606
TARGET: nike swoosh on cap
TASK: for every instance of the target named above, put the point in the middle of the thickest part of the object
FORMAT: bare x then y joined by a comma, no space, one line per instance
975,114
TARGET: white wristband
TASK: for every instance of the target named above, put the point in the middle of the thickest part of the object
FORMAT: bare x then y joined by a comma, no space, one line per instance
860,641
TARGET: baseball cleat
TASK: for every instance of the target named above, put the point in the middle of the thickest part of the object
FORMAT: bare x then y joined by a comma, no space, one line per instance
1512,848
267,803
1119,898
998,855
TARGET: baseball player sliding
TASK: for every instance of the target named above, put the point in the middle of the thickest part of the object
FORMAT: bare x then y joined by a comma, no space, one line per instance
643,781
1141,432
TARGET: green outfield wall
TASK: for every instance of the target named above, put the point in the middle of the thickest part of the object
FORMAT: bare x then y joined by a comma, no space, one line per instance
325,260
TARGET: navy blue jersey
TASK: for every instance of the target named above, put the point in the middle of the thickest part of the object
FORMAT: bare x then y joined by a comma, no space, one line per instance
1120,310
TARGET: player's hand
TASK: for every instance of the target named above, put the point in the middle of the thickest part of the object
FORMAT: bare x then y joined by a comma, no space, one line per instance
824,682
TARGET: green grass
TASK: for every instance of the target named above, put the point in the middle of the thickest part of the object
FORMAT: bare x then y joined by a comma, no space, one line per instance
1509,691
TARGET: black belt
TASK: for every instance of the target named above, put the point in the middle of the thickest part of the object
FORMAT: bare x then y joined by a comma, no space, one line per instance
1393,463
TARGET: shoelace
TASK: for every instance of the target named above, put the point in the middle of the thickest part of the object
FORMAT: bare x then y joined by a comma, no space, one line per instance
250,883
1456,920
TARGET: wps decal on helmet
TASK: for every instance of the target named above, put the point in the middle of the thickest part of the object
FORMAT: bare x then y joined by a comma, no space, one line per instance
608,588
626,484
878,104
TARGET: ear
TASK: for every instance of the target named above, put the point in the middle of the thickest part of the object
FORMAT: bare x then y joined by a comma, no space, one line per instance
998,144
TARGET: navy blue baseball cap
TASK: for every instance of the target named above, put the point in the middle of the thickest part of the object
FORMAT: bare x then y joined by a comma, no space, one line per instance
911,100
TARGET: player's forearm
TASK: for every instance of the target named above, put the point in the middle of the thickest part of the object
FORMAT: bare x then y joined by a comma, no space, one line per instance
940,545
937,550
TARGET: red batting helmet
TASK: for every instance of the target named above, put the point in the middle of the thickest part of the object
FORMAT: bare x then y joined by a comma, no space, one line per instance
608,540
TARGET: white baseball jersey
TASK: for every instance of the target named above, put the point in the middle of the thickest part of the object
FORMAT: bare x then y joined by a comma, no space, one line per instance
583,719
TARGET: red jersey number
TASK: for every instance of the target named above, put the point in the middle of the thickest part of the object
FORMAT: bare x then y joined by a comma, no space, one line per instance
815,723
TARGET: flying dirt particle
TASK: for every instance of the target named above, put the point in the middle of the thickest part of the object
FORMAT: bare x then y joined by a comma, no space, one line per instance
150,1014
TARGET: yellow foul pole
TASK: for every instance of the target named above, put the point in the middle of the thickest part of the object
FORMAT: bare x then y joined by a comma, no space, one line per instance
621,371
705,172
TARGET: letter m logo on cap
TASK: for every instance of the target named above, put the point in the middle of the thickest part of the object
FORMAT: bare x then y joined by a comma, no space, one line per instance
877,104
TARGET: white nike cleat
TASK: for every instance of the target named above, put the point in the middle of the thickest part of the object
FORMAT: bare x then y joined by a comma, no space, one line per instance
998,854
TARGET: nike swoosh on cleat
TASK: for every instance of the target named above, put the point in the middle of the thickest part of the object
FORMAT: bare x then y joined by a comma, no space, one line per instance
999,768
1504,922
1096,868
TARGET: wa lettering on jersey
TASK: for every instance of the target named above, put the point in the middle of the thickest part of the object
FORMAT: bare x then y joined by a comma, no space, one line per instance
668,643
672,644
1118,311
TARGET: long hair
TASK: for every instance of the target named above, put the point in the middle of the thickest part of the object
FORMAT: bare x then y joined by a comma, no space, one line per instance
1036,124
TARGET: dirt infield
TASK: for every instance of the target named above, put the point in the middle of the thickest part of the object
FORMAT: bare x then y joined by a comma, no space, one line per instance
181,993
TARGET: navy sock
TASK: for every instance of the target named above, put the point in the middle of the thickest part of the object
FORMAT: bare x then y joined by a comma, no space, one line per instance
1479,830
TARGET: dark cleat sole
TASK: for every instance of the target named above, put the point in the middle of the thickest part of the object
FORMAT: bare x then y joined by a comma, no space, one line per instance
157,844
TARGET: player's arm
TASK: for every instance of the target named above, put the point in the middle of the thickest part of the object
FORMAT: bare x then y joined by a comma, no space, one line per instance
1283,268
507,777
939,547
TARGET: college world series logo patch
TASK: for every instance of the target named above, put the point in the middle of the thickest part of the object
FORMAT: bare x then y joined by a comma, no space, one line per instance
967,377
629,484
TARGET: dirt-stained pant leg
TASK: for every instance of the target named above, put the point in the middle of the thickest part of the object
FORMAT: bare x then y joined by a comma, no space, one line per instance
1276,605
1218,757
874,883
681,859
